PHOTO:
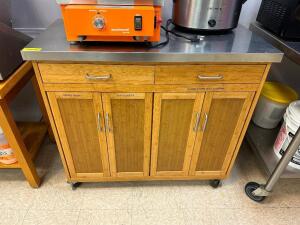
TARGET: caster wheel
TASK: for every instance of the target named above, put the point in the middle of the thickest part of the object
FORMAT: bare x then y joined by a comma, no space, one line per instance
215,183
249,188
75,185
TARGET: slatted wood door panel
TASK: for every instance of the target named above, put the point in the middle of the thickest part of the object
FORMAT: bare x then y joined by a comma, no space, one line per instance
79,121
128,119
175,123
222,120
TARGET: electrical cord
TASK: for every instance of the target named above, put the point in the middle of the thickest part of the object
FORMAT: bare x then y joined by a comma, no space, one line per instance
171,31
195,39
162,44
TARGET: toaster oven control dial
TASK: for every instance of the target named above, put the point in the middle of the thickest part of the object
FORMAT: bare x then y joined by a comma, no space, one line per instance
99,23
212,23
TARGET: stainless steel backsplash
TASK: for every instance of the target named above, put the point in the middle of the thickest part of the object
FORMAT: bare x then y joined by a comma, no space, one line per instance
5,12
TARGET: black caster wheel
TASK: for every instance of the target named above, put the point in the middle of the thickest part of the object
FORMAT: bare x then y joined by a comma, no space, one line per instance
75,185
249,188
215,183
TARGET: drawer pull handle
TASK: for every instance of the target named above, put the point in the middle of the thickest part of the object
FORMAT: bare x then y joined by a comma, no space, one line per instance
107,122
99,122
204,77
197,122
205,122
91,77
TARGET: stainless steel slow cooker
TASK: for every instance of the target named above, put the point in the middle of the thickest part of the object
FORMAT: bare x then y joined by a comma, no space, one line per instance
207,15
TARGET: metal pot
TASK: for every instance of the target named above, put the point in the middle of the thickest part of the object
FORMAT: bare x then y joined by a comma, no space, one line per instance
207,15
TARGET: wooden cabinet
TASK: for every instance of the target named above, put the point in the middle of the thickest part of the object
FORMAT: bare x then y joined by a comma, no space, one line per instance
197,74
149,122
223,118
94,131
90,73
175,123
81,133
128,118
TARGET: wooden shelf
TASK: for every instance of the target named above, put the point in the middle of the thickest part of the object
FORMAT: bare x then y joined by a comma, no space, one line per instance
33,134
12,166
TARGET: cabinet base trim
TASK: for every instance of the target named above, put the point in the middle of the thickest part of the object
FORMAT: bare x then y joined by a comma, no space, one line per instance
166,178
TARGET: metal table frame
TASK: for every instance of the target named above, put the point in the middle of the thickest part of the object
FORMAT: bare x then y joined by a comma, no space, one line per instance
258,192
255,191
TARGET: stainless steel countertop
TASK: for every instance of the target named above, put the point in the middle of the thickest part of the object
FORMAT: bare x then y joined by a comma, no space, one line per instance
240,45
290,48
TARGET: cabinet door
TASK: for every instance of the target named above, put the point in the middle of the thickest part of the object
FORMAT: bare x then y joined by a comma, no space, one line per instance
222,120
79,122
175,123
128,129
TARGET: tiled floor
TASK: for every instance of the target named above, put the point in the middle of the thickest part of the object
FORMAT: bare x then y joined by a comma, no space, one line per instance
143,203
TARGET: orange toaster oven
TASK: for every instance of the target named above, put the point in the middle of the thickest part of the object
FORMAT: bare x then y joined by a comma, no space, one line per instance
112,20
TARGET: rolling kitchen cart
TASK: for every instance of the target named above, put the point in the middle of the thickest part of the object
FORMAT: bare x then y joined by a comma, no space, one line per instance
24,138
262,140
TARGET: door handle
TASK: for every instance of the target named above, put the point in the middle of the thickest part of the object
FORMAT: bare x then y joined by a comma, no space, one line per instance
215,77
104,77
100,128
197,122
107,122
205,122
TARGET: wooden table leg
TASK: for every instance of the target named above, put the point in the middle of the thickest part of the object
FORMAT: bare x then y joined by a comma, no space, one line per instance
16,142
42,106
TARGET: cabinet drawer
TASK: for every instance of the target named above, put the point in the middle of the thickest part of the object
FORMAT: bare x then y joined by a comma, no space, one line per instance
194,74
106,74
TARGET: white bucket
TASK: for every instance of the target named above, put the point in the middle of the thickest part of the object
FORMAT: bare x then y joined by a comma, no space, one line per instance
287,131
274,99
268,113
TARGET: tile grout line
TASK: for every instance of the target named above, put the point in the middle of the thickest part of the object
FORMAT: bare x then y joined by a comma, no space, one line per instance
25,215
81,204
77,220
29,207
131,206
